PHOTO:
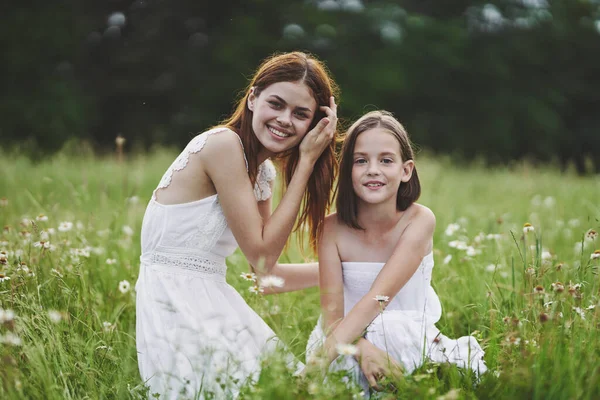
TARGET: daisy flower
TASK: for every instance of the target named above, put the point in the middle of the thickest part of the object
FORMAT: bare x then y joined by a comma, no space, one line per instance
256,289
42,244
6,315
381,298
346,349
54,316
124,286
65,226
271,281
527,227
451,229
558,287
107,326
248,276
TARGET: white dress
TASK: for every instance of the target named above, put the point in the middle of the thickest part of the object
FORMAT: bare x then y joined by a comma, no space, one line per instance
406,328
195,335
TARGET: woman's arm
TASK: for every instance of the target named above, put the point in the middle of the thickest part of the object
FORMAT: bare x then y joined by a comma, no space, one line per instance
413,245
223,160
295,276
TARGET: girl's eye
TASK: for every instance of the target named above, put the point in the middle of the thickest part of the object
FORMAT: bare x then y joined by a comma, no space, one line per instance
387,161
360,161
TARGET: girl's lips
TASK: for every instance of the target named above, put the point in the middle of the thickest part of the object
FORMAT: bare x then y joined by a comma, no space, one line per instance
374,185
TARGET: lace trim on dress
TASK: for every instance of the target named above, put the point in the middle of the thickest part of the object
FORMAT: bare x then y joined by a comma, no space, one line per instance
266,171
266,175
194,146
202,263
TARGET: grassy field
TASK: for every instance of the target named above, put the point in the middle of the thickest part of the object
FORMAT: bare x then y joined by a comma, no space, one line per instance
69,261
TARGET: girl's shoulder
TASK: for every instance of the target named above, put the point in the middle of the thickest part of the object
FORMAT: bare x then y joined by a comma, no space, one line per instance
421,214
332,225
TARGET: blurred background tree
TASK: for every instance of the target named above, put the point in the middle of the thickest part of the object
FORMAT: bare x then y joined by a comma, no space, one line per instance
498,81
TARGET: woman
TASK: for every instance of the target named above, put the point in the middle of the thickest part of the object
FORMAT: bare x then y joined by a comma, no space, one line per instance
195,334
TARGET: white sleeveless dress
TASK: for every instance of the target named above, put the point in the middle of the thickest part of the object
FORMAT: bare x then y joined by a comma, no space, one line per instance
196,336
406,328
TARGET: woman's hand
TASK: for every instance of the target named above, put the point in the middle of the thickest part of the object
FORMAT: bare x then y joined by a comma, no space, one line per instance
376,363
317,140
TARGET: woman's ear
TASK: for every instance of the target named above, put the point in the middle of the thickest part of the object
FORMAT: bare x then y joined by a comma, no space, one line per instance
251,98
408,168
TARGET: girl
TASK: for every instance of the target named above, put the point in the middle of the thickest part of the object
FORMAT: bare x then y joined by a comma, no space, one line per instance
196,337
375,262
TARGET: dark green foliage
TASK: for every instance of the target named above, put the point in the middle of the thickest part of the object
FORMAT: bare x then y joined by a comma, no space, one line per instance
522,86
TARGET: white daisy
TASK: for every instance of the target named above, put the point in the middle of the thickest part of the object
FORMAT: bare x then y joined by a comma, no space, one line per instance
42,244
11,339
65,226
111,261
54,316
124,286
271,281
6,315
381,298
256,289
127,230
249,276
527,227
346,349
451,229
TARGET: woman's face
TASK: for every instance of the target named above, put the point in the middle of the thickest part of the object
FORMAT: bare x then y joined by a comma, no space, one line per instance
282,114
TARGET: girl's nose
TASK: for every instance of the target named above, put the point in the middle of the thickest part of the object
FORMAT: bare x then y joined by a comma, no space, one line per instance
373,169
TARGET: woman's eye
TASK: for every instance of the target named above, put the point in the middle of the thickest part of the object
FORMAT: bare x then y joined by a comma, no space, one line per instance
275,104
301,115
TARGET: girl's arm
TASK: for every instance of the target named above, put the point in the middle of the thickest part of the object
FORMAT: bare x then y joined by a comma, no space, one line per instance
330,276
261,241
413,245
296,277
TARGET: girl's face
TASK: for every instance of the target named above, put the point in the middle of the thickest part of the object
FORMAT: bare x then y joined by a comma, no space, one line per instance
282,114
377,168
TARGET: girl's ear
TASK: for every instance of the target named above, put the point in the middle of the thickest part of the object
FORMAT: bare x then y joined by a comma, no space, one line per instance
251,99
408,168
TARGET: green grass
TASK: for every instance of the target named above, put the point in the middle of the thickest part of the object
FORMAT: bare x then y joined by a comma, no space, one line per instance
90,352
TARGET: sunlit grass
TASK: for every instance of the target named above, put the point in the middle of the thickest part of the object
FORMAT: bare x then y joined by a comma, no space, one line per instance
71,238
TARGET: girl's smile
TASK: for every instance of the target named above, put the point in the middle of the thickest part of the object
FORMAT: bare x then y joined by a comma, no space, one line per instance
378,169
